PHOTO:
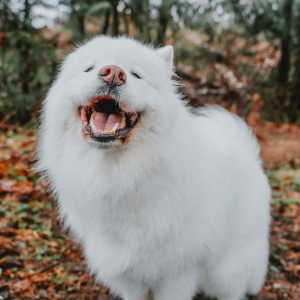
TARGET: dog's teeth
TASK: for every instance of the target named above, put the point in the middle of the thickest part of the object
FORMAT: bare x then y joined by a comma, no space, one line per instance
93,126
113,130
115,127
123,122
112,123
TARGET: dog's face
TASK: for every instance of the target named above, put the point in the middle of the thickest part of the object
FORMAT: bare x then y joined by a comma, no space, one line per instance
117,89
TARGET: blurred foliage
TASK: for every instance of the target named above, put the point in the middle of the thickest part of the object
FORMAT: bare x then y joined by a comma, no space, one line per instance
29,54
279,20
27,62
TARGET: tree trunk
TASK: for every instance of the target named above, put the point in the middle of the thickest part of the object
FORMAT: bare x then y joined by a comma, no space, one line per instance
25,49
284,64
115,28
162,29
81,24
294,101
25,68
106,22
27,9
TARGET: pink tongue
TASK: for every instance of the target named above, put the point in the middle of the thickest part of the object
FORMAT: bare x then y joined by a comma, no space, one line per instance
106,123
99,120
113,122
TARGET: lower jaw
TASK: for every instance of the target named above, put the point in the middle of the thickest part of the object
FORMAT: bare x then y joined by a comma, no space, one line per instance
105,145
104,141
108,142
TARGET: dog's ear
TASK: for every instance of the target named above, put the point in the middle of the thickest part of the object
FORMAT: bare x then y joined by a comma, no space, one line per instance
167,54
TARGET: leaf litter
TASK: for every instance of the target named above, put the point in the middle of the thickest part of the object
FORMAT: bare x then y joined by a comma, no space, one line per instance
39,260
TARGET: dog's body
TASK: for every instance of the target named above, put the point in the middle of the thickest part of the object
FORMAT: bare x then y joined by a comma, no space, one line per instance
178,206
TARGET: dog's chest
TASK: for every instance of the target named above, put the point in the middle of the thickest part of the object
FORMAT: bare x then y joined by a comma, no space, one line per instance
132,246
130,232
120,223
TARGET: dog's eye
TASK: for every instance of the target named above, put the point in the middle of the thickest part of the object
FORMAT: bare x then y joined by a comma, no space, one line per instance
89,69
136,75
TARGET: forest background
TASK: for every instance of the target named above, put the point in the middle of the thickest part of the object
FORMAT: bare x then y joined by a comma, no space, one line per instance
243,55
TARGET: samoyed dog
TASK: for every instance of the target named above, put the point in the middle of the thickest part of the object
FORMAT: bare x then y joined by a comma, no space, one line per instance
166,203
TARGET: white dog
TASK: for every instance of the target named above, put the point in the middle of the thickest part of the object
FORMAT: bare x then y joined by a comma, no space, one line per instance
165,202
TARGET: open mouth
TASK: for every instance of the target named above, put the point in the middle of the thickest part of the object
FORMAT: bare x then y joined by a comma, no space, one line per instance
105,121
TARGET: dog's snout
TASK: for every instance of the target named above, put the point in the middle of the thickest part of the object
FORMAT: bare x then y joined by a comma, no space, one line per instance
113,75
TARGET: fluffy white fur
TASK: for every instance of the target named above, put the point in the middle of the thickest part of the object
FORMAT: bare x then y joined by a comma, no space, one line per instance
183,207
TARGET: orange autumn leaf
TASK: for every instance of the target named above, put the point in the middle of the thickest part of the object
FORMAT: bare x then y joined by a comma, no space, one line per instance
22,285
27,143
23,187
6,185
3,170
11,186
41,277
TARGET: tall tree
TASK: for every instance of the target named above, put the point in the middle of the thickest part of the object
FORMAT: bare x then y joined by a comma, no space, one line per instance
22,51
294,101
286,39
273,17
115,16
141,17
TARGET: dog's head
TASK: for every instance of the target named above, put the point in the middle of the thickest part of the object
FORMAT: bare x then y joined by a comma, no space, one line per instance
114,90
